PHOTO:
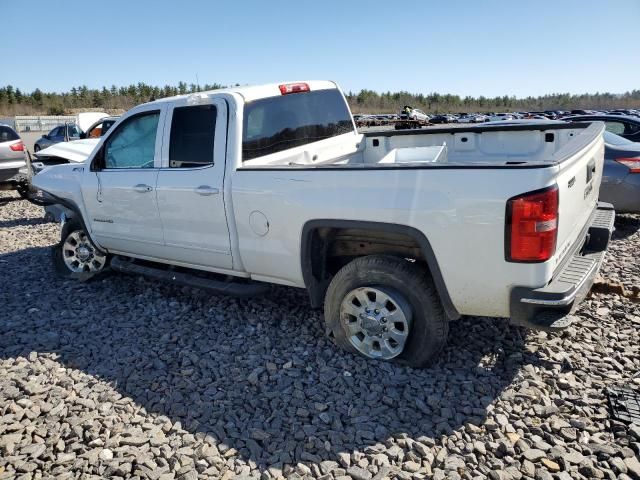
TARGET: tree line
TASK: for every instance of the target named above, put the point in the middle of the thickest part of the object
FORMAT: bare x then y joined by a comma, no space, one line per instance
368,101
14,101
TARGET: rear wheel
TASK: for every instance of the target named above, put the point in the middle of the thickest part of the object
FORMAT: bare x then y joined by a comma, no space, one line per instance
386,308
76,256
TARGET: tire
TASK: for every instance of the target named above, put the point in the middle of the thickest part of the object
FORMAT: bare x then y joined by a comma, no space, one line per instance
36,148
85,269
409,288
23,188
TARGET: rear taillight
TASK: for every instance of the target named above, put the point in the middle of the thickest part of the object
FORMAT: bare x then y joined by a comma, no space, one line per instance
532,226
288,88
17,147
632,163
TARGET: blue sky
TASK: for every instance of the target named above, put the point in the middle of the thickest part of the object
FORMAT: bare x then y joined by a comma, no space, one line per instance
464,47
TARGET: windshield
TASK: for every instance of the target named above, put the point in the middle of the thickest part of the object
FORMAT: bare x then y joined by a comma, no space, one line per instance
613,139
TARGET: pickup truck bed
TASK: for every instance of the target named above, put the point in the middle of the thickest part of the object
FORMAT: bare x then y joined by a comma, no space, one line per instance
419,226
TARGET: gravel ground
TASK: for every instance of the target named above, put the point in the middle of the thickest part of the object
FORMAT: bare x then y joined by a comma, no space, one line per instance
127,378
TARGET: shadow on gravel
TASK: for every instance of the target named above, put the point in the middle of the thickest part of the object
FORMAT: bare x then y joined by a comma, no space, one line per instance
258,375
22,222
626,225
5,200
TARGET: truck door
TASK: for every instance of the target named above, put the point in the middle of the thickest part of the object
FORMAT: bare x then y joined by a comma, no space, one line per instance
190,183
119,189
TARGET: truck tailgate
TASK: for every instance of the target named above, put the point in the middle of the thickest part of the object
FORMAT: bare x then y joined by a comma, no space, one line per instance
579,177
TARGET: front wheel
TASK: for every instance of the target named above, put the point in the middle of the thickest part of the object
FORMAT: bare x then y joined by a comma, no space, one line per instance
36,148
76,256
386,308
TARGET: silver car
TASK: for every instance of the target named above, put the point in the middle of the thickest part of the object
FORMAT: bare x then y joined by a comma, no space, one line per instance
12,157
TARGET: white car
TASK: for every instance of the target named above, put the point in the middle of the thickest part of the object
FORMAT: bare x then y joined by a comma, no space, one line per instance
465,118
417,114
414,114
395,234
497,117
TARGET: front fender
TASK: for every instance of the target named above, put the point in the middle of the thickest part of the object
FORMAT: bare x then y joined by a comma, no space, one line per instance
62,183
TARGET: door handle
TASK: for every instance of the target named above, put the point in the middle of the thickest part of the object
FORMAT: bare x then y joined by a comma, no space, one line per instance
142,188
206,190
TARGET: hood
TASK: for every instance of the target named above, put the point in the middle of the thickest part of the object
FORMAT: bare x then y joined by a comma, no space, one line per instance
86,119
76,151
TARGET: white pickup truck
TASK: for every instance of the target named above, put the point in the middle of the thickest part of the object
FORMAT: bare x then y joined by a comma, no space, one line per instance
395,233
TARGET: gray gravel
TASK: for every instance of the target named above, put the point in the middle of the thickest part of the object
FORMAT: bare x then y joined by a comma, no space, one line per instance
127,378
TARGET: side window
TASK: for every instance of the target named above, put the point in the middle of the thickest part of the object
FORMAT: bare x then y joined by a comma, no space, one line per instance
192,135
133,145
615,127
631,128
55,132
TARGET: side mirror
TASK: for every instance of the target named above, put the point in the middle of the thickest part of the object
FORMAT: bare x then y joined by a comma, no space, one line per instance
83,135
45,136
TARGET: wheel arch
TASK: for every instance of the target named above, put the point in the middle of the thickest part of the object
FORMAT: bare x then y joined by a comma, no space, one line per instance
77,215
314,255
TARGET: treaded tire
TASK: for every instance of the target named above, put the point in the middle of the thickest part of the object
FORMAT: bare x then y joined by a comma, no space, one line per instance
430,325
60,267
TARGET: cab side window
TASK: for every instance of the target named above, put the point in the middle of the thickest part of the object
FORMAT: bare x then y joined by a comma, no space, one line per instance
133,145
192,135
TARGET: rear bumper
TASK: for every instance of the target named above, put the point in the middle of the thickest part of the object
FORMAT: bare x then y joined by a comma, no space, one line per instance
550,307
11,168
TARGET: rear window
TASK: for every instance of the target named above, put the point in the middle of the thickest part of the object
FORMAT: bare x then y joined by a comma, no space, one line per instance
278,123
7,134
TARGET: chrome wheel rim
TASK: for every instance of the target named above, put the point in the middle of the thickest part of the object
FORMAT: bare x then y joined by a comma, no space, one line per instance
80,255
377,321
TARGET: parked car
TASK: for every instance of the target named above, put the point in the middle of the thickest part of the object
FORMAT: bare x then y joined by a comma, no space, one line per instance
465,118
61,133
181,191
69,131
440,119
497,117
621,177
13,161
625,126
